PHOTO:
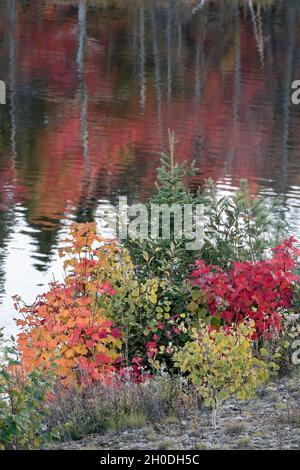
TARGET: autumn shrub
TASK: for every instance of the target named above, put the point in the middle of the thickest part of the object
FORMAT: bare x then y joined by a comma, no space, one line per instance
22,404
254,290
69,326
220,364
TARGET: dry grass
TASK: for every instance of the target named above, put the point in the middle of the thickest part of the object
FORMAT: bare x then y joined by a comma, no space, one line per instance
103,408
236,427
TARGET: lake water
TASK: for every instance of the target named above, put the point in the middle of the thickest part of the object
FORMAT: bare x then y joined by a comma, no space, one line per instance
94,86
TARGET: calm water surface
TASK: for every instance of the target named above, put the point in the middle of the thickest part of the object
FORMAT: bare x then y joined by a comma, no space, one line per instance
92,88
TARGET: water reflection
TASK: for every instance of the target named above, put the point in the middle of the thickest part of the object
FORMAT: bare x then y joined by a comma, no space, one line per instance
93,87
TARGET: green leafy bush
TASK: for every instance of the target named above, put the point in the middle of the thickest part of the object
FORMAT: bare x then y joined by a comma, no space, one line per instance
283,350
22,404
239,227
220,363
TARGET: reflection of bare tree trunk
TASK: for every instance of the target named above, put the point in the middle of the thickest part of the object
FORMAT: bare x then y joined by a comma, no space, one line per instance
286,97
199,64
82,85
83,97
142,57
237,80
109,55
237,90
157,75
257,28
199,78
179,64
169,51
199,6
12,78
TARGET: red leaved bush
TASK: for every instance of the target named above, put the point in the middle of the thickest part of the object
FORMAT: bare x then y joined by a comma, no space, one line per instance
251,290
